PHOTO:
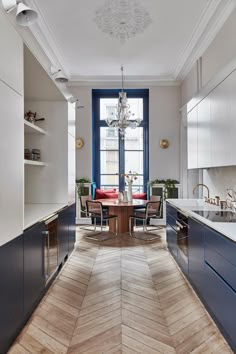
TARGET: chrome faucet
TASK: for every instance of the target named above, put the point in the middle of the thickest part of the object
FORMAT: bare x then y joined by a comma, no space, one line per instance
202,185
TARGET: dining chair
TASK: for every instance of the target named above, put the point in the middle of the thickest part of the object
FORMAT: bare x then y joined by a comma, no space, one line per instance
152,210
96,212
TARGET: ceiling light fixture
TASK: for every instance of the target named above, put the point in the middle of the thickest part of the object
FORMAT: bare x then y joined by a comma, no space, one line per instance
24,15
122,19
58,76
122,116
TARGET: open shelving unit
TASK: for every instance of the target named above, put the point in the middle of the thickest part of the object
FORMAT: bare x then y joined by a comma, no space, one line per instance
30,128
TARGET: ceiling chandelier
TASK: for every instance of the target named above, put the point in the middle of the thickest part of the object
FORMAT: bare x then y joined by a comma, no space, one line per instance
121,118
122,19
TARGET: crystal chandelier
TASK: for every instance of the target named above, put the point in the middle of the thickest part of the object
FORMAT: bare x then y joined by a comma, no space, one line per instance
122,115
122,19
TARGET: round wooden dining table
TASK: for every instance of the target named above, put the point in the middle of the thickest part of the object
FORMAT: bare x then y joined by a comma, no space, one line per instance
122,210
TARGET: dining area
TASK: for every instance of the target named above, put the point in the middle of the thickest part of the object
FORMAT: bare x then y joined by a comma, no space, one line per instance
116,216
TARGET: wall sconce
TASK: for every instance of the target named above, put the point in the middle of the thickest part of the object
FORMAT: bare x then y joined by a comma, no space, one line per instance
164,143
24,15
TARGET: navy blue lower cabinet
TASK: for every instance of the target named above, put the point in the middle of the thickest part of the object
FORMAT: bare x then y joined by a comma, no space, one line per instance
34,278
11,293
221,300
71,221
171,236
63,235
196,254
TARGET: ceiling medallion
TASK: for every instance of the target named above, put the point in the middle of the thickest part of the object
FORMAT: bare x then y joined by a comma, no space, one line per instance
122,19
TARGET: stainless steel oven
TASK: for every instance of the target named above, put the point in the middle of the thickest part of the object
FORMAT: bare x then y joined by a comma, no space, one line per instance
50,247
182,236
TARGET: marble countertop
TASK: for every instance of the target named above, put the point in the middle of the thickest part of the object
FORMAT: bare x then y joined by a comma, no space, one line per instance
227,229
34,213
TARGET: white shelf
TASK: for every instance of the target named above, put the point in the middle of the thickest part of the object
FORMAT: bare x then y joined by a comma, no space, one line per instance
34,163
32,128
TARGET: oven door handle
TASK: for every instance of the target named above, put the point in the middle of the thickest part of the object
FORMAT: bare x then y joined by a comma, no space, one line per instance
46,241
180,226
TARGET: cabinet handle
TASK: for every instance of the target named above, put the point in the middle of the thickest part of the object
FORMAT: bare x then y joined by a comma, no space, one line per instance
46,271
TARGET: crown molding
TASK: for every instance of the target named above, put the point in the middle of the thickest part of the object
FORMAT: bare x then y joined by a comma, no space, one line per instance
210,24
46,40
98,81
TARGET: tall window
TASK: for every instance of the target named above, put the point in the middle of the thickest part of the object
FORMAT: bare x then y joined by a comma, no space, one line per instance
113,156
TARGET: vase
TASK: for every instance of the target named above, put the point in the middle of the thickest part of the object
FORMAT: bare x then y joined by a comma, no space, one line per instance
130,195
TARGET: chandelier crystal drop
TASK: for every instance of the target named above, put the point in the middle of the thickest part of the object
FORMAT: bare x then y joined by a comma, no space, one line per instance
122,19
121,119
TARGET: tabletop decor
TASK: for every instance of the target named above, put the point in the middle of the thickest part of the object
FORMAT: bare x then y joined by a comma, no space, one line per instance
130,177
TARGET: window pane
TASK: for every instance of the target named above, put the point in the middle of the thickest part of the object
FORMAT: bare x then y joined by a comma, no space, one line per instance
109,138
134,139
136,107
109,162
112,180
107,107
134,161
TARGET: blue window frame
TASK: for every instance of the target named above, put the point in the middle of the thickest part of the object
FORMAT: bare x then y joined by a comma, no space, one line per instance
113,156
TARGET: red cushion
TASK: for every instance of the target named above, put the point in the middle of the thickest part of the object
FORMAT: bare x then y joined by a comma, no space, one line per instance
140,196
104,194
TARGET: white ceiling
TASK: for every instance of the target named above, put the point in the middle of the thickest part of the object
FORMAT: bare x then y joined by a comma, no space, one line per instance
68,33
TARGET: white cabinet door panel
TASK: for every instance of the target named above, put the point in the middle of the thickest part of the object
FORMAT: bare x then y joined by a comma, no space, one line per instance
221,152
204,133
11,62
192,139
11,163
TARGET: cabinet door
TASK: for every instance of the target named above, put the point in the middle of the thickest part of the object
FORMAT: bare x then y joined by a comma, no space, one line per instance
196,254
11,294
171,236
34,279
192,139
221,300
63,235
11,157
71,221
11,63
204,134
222,147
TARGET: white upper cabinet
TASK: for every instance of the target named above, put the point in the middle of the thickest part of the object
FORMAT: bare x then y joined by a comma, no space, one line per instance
212,127
11,62
11,158
192,139
204,133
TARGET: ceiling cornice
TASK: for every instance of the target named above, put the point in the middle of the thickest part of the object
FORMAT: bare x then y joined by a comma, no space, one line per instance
46,40
213,19
129,81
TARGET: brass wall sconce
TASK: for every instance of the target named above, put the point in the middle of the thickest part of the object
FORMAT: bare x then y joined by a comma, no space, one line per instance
164,143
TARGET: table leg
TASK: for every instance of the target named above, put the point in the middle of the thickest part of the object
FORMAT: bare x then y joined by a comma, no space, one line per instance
123,214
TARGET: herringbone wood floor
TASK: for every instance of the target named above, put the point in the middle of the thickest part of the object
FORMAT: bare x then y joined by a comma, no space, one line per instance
120,296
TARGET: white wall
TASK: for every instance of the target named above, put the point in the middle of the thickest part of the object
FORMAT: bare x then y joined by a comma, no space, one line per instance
218,55
71,153
164,122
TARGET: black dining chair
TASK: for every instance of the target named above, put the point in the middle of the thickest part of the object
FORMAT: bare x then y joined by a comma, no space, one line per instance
152,210
97,213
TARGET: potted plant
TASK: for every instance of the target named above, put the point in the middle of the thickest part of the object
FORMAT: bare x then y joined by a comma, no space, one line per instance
81,188
169,186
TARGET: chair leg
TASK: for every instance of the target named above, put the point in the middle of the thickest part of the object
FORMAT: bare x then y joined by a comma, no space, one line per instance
130,226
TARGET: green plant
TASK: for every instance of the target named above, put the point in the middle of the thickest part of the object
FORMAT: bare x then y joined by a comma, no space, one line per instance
169,185
81,189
